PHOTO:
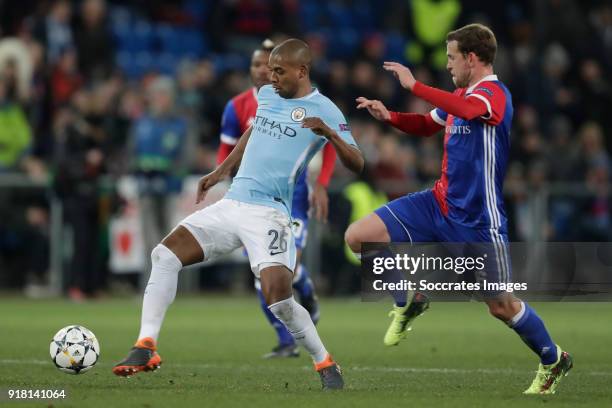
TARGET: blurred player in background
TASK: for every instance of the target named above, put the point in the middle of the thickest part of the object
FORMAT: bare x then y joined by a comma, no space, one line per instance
292,124
238,115
466,204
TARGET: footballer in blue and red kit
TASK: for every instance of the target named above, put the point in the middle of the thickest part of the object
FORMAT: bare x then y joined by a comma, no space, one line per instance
466,204
238,116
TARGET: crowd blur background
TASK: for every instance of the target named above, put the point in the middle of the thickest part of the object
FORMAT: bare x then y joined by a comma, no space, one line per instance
96,94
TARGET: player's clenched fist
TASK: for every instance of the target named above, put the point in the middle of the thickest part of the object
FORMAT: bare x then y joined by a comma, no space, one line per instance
206,183
317,126
376,108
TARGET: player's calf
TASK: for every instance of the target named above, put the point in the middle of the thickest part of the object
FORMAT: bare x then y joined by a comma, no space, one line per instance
504,307
275,282
286,346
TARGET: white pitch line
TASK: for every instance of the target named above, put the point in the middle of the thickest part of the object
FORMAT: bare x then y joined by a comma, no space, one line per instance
416,370
26,362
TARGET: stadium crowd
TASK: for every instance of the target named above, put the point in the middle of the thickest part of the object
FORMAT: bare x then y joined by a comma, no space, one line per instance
93,90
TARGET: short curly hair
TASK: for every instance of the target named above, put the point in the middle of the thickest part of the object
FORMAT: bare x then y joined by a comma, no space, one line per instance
476,38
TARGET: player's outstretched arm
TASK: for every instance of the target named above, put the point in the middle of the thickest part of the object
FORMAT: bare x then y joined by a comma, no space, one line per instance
455,105
350,156
376,108
411,123
224,169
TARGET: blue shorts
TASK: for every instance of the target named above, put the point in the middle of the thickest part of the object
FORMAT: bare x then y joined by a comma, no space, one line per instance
300,231
417,218
299,211
299,216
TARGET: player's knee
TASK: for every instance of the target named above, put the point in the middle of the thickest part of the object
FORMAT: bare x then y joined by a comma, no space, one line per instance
184,245
275,293
353,237
164,258
275,290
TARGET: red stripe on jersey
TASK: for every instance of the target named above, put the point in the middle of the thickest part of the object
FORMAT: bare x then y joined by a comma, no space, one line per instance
440,189
245,105
496,101
224,151
327,167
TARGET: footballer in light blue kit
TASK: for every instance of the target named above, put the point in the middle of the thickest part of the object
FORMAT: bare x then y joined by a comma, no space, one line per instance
238,115
292,124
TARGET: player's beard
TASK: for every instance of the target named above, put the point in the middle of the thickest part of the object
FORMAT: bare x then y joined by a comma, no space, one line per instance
286,93
461,81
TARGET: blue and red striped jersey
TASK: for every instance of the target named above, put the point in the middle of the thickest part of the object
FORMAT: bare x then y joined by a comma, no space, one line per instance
470,189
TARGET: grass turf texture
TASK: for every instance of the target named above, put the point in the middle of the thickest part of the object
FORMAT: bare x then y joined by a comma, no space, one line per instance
457,356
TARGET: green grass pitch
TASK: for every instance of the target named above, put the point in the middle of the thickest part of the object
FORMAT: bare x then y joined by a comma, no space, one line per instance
456,356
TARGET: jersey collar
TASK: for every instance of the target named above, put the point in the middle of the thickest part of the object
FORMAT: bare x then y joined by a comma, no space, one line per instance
314,92
487,78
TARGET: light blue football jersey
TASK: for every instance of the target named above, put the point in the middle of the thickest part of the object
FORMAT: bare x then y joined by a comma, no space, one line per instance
279,148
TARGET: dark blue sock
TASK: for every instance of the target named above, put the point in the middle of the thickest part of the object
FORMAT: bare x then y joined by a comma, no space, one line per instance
531,329
284,337
400,297
303,286
394,276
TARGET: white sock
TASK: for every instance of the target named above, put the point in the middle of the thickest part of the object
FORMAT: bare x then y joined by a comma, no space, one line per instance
517,316
160,291
298,322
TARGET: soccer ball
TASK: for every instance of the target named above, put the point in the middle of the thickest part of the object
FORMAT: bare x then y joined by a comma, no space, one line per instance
74,349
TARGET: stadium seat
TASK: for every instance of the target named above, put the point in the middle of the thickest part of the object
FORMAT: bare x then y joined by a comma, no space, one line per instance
228,62
137,38
395,44
339,16
198,10
344,43
165,63
310,16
